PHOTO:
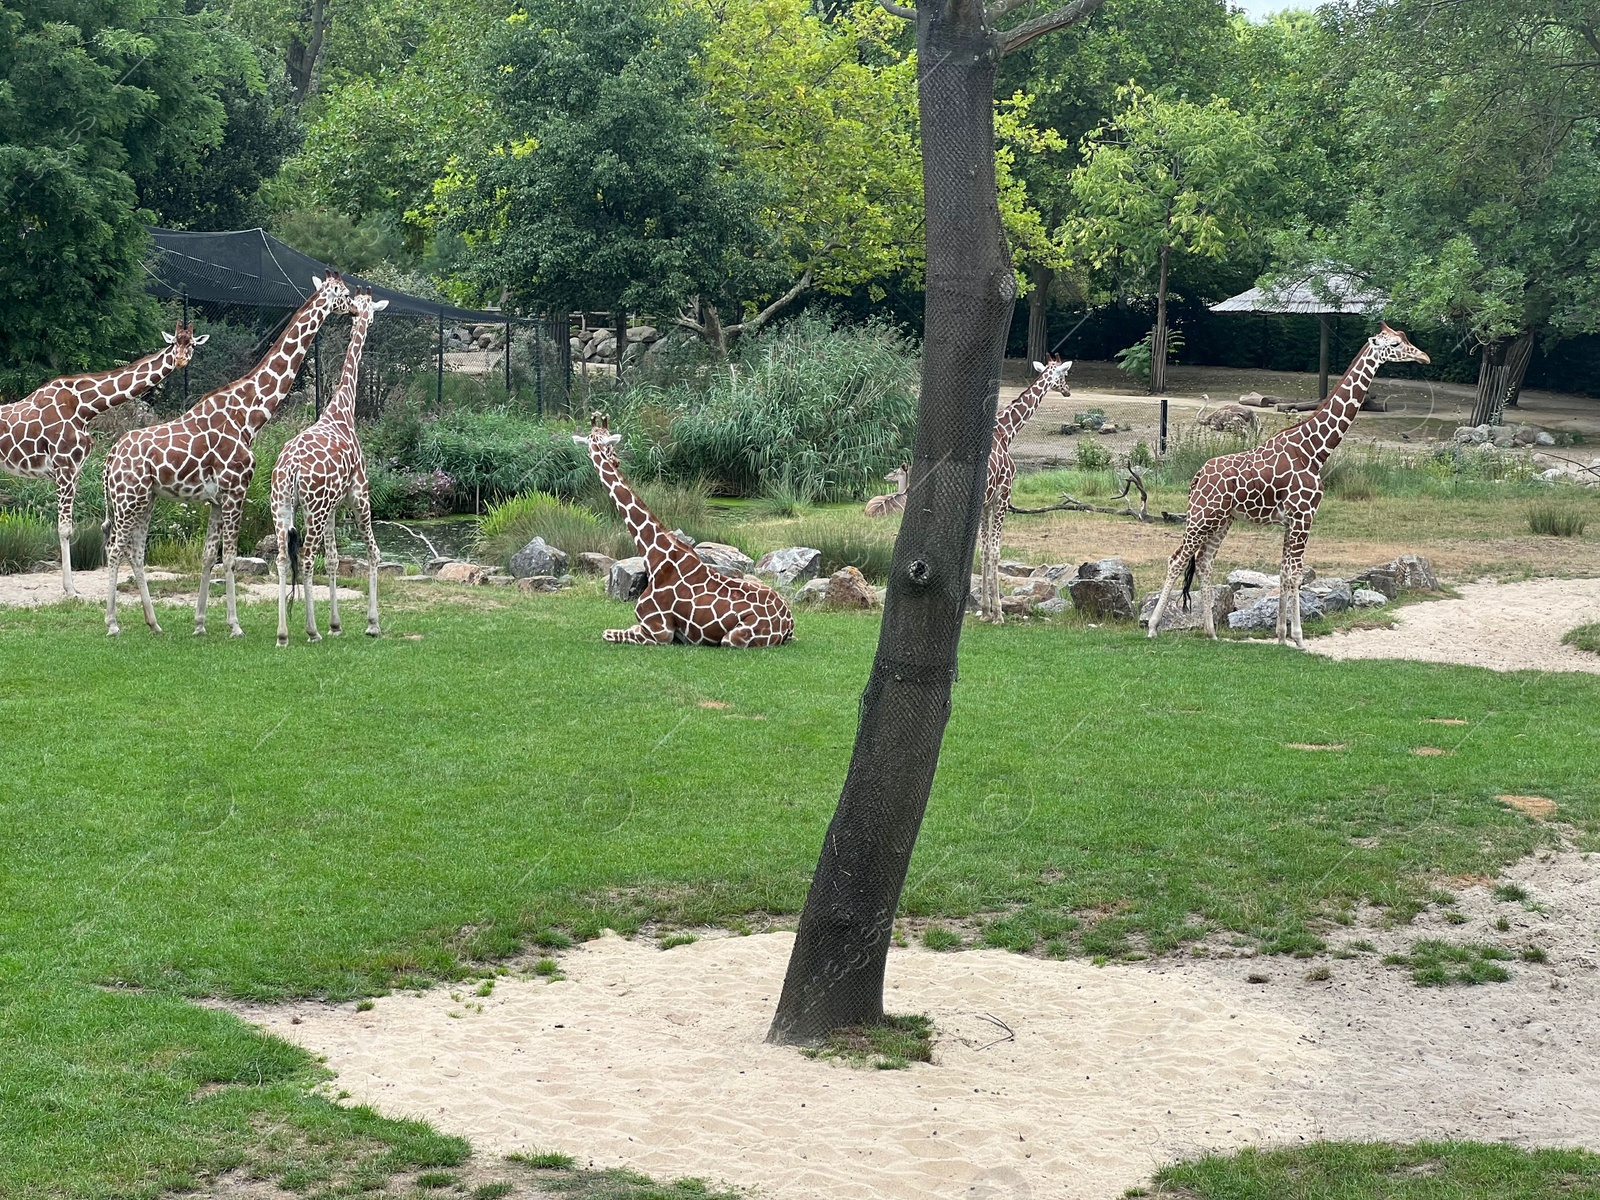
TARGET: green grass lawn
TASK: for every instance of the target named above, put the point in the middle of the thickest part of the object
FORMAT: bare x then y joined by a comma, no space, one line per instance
188,817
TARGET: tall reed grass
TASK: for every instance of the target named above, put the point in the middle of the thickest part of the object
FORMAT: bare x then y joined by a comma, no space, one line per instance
510,525
24,540
1552,518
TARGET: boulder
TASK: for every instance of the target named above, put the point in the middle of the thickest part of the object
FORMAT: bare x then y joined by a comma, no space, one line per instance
1037,590
434,565
1544,439
1335,594
730,560
602,349
1367,598
1053,607
1378,579
1016,606
244,564
267,547
391,568
1177,617
1244,597
642,333
1504,437
1103,589
1263,614
683,537
500,580
814,591
461,572
790,566
627,579
1472,435
542,583
1012,566
1252,579
1413,573
848,588
1056,573
591,563
538,557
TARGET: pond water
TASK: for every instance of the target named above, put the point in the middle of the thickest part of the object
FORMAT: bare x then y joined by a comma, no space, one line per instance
418,541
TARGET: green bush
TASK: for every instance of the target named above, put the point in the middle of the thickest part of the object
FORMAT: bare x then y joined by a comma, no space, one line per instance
24,540
1092,456
510,525
1551,518
492,456
1191,450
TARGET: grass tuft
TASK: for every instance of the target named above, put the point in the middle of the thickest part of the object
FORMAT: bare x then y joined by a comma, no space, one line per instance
1434,963
890,1045
1584,637
674,940
937,937
24,540
544,1160
1552,518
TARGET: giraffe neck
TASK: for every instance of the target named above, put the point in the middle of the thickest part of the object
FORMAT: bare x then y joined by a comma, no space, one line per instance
130,382
1320,433
1016,414
341,409
250,402
653,540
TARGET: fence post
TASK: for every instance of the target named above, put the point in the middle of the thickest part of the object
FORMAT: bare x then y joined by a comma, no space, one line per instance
439,388
316,372
186,365
508,360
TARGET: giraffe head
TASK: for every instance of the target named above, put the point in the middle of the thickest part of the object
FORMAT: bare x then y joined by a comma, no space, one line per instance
1054,374
1393,346
334,290
183,342
363,306
599,436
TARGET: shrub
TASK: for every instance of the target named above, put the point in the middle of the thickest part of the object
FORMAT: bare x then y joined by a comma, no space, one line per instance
492,456
1092,456
510,525
24,540
1191,450
1551,518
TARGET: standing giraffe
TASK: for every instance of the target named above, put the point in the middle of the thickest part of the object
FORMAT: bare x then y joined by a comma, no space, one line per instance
320,467
205,455
1003,473
46,435
685,600
1278,482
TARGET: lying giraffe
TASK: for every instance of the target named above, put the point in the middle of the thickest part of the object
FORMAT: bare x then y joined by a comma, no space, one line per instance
1003,473
685,600
46,435
319,468
1278,482
205,455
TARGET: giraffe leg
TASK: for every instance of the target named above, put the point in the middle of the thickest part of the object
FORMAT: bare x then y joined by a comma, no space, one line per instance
330,558
232,517
141,540
208,559
989,587
308,559
1193,541
116,539
1208,557
654,627
1294,560
282,522
66,491
363,507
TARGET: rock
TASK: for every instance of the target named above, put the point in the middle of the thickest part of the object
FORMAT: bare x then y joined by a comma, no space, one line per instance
1016,606
790,566
501,580
1244,597
848,588
538,583
463,572
1039,590
1103,589
267,547
347,566
592,563
1177,617
1552,473
1230,418
1367,598
1378,579
538,557
1069,429
1523,435
1413,573
244,564
627,579
683,537
1051,608
642,333
1472,435
1011,566
1056,573
1252,579
391,568
1503,436
1544,439
730,560
1108,429
1263,614
434,565
1335,594
814,591
602,349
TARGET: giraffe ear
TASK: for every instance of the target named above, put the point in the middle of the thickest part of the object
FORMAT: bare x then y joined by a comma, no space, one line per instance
1038,366
202,339
580,439
316,283
379,305
167,337
1067,366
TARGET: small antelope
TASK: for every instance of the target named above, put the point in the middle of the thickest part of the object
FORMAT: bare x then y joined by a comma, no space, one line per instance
895,501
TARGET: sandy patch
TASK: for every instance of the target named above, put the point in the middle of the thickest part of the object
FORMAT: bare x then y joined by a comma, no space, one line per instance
34,588
654,1060
1505,627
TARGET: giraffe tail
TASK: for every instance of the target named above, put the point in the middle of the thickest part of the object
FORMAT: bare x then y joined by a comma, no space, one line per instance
1188,580
294,564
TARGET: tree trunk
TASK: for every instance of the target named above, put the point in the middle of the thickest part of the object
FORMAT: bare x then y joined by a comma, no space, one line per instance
303,54
619,316
1491,384
1039,277
1158,338
1322,356
1517,360
835,975
561,330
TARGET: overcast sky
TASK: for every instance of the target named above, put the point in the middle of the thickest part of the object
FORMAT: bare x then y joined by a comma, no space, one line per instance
1260,8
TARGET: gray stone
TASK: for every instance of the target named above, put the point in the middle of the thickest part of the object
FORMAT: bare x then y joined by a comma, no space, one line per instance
814,591
642,333
1263,614
1379,579
1503,436
1367,598
1012,566
1056,573
1413,573
1052,607
1472,435
538,557
1252,579
1178,617
434,565
728,559
267,547
539,583
1038,590
683,537
391,568
1103,589
244,564
790,566
627,579
1016,606
1335,594
848,588
592,563
1244,597
1544,439
500,580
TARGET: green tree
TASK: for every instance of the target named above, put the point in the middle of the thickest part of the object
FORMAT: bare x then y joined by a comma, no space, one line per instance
92,96
1165,176
605,187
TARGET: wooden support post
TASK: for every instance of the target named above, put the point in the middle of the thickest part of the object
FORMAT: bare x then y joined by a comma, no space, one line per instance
438,394
1322,358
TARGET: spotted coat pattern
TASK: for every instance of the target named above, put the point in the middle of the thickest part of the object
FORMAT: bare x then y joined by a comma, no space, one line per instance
319,468
205,455
46,435
685,600
1003,473
1277,483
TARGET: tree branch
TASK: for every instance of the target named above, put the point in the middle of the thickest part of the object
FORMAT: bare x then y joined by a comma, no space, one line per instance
1001,8
899,10
1067,14
771,310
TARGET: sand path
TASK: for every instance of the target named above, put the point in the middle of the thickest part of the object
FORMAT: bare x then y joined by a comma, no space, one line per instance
1505,627
31,589
655,1060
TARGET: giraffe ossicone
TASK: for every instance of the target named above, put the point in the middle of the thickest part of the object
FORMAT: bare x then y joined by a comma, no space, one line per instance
685,600
1003,473
1278,482
317,470
46,435
205,455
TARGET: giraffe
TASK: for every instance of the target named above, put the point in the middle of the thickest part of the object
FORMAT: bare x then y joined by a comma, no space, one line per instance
46,435
1003,473
1278,482
205,455
685,600
320,467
